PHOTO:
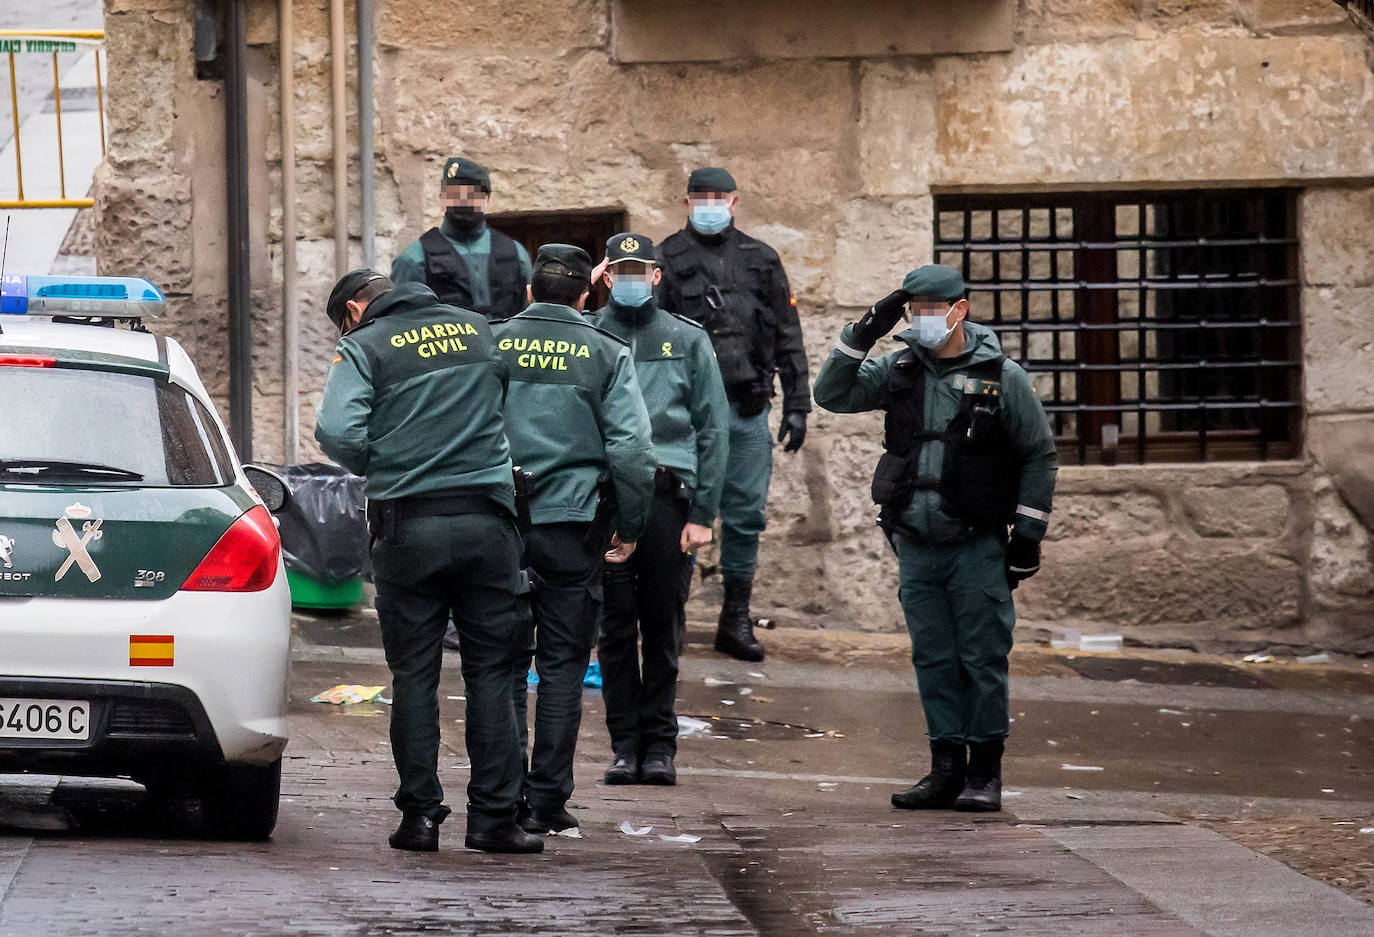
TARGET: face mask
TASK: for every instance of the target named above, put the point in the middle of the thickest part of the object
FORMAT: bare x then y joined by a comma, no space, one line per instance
710,219
931,331
631,291
464,218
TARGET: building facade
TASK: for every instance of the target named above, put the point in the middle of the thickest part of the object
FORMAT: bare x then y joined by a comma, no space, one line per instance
1166,207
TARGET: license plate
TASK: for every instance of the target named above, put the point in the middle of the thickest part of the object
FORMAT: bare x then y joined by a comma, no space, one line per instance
55,719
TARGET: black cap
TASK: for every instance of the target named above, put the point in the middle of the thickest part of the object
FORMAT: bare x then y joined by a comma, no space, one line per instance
460,171
349,285
710,179
627,246
564,260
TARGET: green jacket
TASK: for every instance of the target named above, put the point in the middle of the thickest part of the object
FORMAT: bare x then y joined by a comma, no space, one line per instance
574,412
850,383
685,396
413,401
409,265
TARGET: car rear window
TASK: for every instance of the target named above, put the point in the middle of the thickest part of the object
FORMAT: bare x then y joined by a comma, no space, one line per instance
125,421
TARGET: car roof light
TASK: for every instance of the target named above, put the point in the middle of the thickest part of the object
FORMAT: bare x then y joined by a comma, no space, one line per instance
96,297
27,361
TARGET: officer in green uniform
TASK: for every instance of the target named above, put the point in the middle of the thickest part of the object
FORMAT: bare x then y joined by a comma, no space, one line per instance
413,402
464,261
969,453
735,286
574,416
646,594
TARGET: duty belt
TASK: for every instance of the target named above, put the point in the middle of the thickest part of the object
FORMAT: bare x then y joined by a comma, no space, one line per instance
385,517
666,481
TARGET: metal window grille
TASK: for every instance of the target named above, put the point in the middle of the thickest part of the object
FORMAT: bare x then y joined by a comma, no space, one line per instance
1155,326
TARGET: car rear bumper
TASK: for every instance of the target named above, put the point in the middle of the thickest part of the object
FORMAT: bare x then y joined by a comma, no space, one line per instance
222,685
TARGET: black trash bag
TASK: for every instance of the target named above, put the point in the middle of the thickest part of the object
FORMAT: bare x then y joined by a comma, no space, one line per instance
324,524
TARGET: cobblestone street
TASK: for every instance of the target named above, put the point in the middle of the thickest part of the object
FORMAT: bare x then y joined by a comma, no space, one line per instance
787,791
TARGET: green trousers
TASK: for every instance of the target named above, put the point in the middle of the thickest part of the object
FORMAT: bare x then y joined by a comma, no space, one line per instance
467,566
959,613
744,499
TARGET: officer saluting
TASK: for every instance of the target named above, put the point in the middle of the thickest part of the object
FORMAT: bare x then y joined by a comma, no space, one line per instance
645,594
734,285
968,453
413,402
464,261
574,415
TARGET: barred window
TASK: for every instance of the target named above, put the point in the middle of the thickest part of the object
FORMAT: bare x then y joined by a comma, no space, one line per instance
1156,326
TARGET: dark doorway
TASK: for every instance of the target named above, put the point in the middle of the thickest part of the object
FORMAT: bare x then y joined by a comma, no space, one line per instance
588,229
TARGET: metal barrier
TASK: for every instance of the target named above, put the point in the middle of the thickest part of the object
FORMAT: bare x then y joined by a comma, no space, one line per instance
51,42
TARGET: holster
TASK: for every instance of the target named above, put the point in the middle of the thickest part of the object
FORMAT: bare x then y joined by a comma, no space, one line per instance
524,495
599,533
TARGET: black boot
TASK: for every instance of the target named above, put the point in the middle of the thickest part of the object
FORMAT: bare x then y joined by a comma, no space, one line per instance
541,822
624,769
939,789
505,837
735,629
983,791
417,833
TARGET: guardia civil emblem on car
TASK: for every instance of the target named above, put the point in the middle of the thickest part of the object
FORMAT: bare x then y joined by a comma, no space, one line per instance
130,539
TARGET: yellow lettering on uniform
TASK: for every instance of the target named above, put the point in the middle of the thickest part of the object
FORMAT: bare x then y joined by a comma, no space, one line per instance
468,329
582,352
523,361
424,351
564,348
425,332
412,336
450,328
398,342
505,344
441,345
458,345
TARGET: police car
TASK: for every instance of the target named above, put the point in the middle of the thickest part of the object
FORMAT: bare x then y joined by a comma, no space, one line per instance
144,609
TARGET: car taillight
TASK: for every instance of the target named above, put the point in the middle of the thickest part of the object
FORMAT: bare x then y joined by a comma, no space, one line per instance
244,560
27,361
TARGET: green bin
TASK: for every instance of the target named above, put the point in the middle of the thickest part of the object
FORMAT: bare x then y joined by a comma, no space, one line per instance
311,593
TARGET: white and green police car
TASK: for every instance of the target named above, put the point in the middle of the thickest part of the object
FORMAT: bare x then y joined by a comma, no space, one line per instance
144,611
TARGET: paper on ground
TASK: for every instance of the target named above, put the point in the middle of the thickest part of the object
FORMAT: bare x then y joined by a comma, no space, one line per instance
629,830
687,838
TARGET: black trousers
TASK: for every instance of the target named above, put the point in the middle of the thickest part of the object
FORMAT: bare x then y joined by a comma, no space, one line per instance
467,566
645,597
566,606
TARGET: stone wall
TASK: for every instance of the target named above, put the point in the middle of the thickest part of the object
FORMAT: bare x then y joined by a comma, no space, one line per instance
837,158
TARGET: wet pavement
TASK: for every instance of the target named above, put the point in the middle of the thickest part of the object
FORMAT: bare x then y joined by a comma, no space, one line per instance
1147,794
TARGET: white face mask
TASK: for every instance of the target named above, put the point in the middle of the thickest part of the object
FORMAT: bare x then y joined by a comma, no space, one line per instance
932,331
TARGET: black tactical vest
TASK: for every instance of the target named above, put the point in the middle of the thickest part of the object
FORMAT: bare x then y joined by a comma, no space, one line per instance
447,274
981,472
727,291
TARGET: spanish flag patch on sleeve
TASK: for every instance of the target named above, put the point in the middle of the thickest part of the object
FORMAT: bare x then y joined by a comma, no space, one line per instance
337,359
791,298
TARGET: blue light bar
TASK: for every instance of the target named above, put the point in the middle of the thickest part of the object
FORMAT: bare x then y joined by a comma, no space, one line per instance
103,297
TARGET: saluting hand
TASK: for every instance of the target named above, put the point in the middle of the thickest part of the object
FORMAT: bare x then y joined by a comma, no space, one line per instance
695,536
620,551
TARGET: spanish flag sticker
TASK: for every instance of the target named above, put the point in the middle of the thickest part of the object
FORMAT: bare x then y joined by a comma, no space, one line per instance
150,650
337,359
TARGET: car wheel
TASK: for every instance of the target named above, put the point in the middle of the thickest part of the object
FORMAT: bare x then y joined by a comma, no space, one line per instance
239,802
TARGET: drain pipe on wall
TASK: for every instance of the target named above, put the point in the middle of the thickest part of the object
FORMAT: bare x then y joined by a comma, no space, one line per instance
236,226
336,54
291,375
367,223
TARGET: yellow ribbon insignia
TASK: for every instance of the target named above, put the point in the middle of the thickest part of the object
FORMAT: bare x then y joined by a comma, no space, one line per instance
667,349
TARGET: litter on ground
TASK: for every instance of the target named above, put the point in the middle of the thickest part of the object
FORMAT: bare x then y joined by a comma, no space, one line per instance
629,830
349,693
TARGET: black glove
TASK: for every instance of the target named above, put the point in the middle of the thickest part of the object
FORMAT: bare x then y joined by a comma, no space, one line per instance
793,429
1023,559
879,319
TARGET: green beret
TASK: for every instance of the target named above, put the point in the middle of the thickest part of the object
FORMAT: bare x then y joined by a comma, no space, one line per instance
934,281
710,179
564,260
349,285
627,246
460,171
